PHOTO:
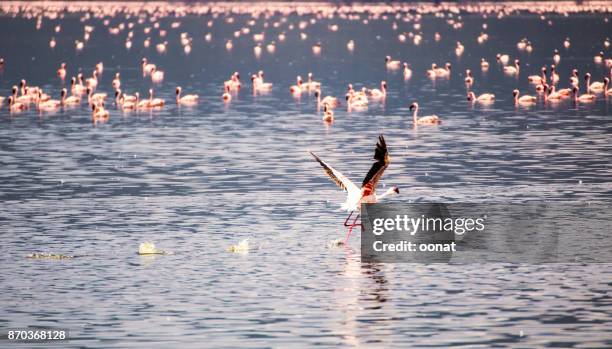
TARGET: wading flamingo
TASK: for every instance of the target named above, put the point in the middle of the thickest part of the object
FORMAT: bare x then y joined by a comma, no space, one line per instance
367,193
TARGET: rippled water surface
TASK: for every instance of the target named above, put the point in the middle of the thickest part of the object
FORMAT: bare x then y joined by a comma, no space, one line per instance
196,180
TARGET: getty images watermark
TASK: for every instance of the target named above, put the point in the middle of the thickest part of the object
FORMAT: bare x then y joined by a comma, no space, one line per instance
476,233
411,225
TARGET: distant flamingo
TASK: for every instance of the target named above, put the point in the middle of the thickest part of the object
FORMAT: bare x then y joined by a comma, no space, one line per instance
424,120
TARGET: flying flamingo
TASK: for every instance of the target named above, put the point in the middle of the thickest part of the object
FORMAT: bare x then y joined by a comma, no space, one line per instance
367,193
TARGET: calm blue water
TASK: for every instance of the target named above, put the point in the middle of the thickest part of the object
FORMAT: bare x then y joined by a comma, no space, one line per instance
196,180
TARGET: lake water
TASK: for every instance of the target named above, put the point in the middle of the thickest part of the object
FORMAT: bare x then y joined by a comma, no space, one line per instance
196,180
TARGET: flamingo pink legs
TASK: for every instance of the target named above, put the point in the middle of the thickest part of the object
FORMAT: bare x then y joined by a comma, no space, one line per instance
351,226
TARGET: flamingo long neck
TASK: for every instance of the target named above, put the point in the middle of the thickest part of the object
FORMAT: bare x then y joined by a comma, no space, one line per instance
390,191
414,115
588,83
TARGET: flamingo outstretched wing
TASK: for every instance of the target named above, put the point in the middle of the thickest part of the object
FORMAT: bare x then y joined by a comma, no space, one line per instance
381,155
341,180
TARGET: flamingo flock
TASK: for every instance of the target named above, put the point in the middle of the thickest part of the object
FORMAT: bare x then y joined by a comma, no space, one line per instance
86,88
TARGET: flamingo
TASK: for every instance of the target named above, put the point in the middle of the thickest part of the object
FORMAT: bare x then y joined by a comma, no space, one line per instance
61,72
330,101
503,58
227,96
443,71
382,93
484,64
297,89
141,104
484,98
234,82
539,79
26,90
128,104
599,57
98,112
70,100
187,99
525,100
328,114
147,67
432,72
597,86
367,193
356,101
117,81
468,77
391,64
311,84
25,99
121,97
157,75
154,102
93,81
424,120
75,87
407,72
584,98
574,79
49,104
551,95
100,67
259,84
556,56
511,70
256,80
554,77
42,97
13,105
95,98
